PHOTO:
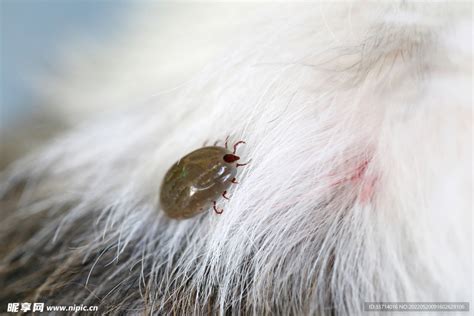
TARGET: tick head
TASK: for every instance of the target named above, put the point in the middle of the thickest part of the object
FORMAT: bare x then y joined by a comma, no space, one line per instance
230,158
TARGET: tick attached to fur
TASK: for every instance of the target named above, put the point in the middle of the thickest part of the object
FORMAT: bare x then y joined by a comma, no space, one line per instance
197,180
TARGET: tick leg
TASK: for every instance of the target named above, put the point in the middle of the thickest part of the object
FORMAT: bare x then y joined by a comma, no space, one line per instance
216,209
216,142
234,180
242,164
226,140
224,195
237,144
205,143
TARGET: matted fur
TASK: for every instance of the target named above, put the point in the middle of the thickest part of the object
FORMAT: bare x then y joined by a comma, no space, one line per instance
357,120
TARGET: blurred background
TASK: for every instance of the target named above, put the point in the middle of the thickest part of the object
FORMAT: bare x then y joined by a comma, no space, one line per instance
32,33
34,36
63,62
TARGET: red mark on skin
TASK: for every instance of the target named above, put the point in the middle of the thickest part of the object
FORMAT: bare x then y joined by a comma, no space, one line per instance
367,190
367,182
359,171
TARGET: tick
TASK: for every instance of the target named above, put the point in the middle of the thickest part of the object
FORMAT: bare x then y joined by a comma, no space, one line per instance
197,180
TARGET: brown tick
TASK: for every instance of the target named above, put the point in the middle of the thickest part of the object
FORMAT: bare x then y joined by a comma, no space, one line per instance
197,180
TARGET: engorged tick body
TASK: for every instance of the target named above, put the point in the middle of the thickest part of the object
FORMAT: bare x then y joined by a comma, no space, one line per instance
197,180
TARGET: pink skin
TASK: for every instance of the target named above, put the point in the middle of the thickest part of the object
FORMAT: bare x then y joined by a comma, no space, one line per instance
367,190
367,182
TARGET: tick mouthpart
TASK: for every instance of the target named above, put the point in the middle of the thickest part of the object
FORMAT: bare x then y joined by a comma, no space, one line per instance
230,158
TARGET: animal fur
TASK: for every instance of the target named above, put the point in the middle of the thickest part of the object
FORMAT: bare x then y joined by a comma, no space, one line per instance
358,122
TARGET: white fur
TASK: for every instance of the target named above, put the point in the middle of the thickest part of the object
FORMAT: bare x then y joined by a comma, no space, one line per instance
315,91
